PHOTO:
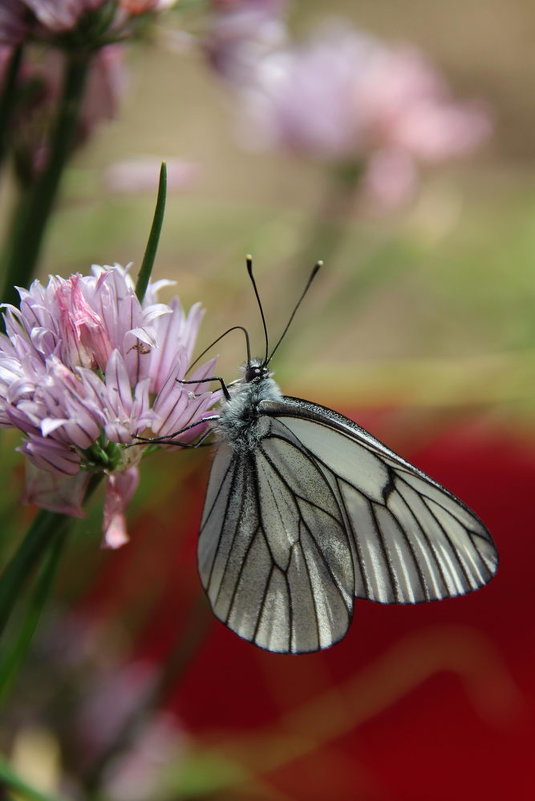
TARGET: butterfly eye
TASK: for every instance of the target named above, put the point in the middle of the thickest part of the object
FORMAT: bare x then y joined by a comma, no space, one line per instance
253,372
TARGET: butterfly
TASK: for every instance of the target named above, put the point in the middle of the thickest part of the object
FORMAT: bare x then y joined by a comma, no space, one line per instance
306,511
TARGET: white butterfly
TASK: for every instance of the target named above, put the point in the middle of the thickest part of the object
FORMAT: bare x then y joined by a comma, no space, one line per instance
305,511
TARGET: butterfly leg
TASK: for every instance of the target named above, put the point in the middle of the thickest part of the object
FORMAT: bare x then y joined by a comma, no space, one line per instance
224,388
199,444
167,437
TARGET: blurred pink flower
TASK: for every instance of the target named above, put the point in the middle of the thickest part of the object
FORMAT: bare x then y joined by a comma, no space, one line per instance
345,96
61,15
5,57
84,367
39,88
241,33
134,7
105,88
142,772
13,27
390,179
114,694
141,175
408,105
232,5
49,20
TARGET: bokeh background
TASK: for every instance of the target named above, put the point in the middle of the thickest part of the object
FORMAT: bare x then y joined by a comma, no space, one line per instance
421,327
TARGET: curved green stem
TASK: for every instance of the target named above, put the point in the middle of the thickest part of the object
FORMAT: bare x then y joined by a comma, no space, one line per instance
45,528
330,221
35,206
154,236
8,99
11,661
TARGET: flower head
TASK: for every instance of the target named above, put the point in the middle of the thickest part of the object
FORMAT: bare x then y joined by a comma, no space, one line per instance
91,21
239,35
39,90
13,23
61,15
345,96
85,368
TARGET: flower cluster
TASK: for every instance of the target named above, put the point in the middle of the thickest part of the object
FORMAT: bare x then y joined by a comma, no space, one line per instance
240,33
39,86
74,33
53,20
348,98
84,369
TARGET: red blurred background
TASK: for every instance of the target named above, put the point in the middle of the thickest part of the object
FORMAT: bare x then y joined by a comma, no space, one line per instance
423,703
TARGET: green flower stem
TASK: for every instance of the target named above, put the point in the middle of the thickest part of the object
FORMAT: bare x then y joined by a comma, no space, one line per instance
45,528
10,780
182,653
29,223
154,236
330,221
10,662
8,99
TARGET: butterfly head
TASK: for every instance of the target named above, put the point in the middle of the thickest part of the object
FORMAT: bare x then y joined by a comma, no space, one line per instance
256,370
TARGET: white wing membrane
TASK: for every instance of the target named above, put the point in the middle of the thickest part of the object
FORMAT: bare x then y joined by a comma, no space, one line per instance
412,540
274,554
313,511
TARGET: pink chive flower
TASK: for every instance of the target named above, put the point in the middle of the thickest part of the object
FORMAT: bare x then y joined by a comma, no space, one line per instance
46,20
13,24
347,97
134,7
85,368
105,88
61,15
146,770
39,86
112,694
240,34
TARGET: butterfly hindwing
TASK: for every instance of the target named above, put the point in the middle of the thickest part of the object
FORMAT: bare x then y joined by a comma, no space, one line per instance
274,553
411,539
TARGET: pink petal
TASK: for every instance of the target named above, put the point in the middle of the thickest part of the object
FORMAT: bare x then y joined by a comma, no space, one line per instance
47,454
118,385
61,15
119,490
63,494
390,178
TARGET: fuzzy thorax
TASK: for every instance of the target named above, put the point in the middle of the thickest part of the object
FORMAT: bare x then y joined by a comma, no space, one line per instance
240,422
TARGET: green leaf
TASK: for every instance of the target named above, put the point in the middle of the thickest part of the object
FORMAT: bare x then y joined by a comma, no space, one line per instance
45,528
154,236
10,662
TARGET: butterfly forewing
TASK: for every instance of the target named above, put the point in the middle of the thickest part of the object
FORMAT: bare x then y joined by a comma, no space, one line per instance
411,539
274,553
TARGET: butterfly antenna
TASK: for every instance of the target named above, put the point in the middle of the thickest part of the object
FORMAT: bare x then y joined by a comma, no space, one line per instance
249,262
305,290
224,334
